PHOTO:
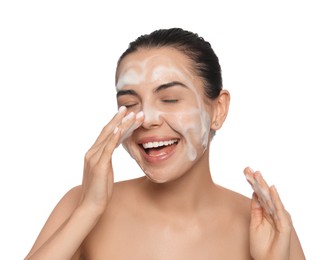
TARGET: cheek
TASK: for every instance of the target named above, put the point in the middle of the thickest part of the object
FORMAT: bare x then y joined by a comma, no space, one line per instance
193,124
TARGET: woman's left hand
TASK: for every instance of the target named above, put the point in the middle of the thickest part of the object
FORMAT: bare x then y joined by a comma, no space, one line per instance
271,225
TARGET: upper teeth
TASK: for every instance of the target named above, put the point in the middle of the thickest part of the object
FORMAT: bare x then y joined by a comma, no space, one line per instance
158,144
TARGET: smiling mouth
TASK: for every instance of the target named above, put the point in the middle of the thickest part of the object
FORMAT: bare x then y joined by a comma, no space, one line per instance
161,148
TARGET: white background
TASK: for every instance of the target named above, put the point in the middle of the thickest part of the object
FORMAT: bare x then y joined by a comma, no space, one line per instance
57,62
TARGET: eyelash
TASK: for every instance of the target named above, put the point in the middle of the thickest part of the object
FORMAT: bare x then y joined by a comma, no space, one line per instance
170,100
129,106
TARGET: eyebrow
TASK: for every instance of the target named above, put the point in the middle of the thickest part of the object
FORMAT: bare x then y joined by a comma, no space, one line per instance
156,90
169,85
127,92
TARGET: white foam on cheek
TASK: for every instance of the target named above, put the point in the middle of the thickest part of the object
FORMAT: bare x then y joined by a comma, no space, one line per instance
205,127
189,124
177,122
201,129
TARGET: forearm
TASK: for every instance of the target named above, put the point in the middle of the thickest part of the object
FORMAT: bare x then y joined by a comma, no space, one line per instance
67,239
296,251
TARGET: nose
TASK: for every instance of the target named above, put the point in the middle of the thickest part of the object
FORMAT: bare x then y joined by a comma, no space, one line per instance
153,118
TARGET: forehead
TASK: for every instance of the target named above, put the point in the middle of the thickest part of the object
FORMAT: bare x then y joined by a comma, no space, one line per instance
155,64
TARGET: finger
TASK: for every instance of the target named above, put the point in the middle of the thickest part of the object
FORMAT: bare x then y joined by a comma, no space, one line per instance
260,180
109,128
261,188
123,123
265,193
249,175
276,198
256,212
282,218
127,126
107,146
107,150
99,167
106,133
126,131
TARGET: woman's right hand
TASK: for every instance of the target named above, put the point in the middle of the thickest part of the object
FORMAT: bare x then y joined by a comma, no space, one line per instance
97,181
70,222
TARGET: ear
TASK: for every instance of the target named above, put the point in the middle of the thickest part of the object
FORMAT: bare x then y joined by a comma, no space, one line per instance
221,109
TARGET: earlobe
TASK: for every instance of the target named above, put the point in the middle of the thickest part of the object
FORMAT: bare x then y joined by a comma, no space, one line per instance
221,109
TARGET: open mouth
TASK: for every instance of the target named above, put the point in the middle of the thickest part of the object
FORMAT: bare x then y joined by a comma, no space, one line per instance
160,148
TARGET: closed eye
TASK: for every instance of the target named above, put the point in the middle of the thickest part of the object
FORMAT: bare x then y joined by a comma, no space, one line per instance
129,105
170,100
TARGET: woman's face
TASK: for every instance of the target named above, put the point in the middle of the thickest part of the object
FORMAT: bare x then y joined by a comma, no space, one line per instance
176,127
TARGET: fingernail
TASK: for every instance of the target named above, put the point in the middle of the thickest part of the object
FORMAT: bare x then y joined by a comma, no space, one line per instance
248,170
121,109
126,118
139,115
274,188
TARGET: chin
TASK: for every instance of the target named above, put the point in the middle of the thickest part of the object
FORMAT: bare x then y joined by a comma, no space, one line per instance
160,177
157,178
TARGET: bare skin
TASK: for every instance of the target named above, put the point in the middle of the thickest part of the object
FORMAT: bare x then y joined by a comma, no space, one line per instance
182,215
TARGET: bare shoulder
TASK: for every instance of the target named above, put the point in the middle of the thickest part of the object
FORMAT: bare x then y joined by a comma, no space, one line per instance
230,221
68,202
72,196
59,215
64,207
237,202
234,211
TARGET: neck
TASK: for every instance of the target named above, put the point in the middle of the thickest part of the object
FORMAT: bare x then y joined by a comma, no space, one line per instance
186,194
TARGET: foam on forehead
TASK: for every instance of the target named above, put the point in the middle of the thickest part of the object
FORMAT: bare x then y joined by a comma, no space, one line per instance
130,77
154,68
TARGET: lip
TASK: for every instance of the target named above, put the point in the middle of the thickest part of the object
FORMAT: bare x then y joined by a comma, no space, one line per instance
158,158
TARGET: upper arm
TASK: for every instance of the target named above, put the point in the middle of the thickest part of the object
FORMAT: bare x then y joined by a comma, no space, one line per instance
58,216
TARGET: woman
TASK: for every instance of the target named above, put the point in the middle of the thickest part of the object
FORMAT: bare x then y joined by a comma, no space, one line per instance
171,103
